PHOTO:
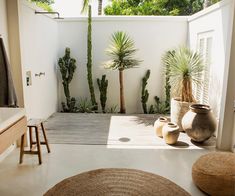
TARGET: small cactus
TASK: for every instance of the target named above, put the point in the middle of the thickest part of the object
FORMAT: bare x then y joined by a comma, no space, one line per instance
103,85
67,67
145,93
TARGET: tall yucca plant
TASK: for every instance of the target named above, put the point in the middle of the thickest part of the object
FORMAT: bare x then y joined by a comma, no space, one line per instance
122,52
185,70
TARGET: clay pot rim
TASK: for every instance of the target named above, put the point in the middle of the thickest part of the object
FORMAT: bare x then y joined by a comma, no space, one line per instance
162,119
172,125
178,99
200,108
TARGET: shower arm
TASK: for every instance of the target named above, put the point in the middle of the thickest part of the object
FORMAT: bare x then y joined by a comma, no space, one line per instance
58,14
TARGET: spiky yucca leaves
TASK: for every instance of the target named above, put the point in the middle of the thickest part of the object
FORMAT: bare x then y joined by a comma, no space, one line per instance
67,67
103,85
122,52
186,68
85,106
144,92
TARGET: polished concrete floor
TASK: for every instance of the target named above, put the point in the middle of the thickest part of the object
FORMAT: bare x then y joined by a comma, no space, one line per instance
31,179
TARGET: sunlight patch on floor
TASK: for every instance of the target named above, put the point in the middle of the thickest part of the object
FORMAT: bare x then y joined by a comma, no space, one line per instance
128,132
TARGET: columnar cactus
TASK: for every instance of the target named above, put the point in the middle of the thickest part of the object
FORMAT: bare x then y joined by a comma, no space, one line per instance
67,67
89,61
103,85
145,93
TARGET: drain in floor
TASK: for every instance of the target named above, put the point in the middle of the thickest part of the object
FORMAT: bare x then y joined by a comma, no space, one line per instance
124,139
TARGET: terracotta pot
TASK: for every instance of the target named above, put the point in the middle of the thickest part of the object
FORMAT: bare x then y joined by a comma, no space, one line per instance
158,125
178,110
199,122
171,133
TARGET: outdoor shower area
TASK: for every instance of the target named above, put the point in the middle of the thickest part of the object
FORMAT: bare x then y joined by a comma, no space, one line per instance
208,33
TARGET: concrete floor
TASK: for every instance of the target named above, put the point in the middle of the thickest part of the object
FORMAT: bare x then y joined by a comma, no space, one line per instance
68,160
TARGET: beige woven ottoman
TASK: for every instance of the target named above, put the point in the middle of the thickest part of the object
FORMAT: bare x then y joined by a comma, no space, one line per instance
214,173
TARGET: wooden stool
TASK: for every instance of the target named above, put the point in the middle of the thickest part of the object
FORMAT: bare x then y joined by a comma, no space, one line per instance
34,123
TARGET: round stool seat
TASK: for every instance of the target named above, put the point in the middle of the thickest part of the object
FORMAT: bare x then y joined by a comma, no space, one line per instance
214,173
113,182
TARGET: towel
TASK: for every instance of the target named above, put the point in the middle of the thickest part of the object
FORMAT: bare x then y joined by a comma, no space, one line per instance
7,91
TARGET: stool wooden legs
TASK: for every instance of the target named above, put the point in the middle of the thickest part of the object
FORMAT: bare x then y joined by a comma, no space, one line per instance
30,138
45,138
34,144
38,152
38,145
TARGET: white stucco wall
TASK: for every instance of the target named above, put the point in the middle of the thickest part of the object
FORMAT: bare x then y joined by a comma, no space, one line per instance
153,36
38,37
217,20
3,23
43,40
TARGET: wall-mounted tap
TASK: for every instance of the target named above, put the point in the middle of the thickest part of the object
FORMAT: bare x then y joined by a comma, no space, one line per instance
40,74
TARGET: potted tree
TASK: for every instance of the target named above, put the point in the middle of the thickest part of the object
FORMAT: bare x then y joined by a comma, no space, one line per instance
121,51
185,71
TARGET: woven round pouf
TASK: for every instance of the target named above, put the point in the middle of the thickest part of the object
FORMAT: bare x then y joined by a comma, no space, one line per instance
113,182
214,173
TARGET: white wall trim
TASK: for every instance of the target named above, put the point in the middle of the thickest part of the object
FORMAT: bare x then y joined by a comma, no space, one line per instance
208,10
127,18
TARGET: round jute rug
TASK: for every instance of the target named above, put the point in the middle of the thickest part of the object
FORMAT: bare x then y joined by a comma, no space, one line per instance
116,182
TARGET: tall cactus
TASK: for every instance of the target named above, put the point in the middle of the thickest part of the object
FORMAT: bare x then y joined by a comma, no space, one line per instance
67,67
145,93
89,61
103,85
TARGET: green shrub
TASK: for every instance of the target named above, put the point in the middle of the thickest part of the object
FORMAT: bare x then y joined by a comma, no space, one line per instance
85,106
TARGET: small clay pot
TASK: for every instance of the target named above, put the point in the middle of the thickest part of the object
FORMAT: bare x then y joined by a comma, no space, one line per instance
171,133
158,125
199,122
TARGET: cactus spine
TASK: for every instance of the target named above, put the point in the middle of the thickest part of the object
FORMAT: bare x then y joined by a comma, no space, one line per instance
89,61
145,93
67,67
103,85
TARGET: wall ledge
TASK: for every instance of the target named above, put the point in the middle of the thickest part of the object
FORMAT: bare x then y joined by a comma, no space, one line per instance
208,10
127,18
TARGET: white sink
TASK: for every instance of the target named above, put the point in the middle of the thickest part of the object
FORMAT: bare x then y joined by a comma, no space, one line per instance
9,116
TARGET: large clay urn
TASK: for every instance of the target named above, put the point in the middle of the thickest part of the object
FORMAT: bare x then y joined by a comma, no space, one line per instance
199,122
